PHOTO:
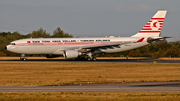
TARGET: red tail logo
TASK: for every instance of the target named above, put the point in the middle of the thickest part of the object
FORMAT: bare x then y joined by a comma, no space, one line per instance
153,26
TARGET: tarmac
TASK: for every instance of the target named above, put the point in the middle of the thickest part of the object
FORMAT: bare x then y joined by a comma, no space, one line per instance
99,60
109,87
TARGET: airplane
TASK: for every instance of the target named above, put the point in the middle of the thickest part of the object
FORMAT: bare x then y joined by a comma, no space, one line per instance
86,48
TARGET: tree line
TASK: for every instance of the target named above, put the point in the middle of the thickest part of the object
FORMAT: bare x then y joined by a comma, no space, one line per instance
156,49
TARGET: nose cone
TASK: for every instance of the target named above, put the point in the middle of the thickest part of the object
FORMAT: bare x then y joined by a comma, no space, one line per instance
6,48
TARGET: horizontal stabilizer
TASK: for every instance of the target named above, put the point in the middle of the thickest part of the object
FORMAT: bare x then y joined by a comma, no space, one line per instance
156,39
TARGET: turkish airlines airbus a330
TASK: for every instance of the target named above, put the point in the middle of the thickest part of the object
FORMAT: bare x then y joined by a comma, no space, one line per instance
87,47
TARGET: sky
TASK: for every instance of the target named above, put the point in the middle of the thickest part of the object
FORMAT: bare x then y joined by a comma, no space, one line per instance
87,18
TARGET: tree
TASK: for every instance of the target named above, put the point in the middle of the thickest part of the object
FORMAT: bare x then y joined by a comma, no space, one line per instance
174,51
40,33
135,53
58,33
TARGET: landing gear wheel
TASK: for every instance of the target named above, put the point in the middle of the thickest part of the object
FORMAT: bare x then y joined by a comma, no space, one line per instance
94,59
89,59
23,59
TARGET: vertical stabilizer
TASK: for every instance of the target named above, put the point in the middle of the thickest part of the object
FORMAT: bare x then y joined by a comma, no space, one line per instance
153,27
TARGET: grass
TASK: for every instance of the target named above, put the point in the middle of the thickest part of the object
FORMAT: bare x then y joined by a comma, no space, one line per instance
36,73
87,96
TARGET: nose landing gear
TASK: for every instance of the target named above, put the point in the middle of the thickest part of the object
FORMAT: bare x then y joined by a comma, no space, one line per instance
23,58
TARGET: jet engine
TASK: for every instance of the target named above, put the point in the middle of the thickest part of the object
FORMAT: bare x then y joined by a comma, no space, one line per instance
150,40
68,54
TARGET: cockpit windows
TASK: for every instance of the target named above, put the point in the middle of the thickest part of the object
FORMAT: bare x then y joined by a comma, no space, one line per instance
12,44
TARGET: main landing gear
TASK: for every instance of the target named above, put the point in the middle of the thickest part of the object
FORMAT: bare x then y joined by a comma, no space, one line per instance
91,58
86,58
23,58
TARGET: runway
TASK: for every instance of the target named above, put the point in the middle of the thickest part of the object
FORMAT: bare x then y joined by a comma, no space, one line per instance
110,87
146,60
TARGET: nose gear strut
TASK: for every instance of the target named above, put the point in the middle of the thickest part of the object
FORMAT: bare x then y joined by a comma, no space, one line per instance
23,57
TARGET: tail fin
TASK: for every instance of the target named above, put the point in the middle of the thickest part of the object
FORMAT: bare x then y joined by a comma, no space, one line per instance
153,27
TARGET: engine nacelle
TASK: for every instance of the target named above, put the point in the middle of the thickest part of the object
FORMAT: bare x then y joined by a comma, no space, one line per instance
150,40
52,56
69,54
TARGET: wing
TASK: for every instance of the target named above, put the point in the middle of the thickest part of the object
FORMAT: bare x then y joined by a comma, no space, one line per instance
96,47
103,46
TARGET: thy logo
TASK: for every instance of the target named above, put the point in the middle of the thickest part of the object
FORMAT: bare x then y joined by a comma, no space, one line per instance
155,25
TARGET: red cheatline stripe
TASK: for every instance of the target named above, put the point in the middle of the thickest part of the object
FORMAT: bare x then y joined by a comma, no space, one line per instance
149,32
157,18
158,21
146,29
69,43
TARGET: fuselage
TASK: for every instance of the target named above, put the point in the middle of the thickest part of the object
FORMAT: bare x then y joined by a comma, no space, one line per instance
58,45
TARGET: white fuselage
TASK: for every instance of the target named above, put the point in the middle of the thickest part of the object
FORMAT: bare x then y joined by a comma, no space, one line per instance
58,45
